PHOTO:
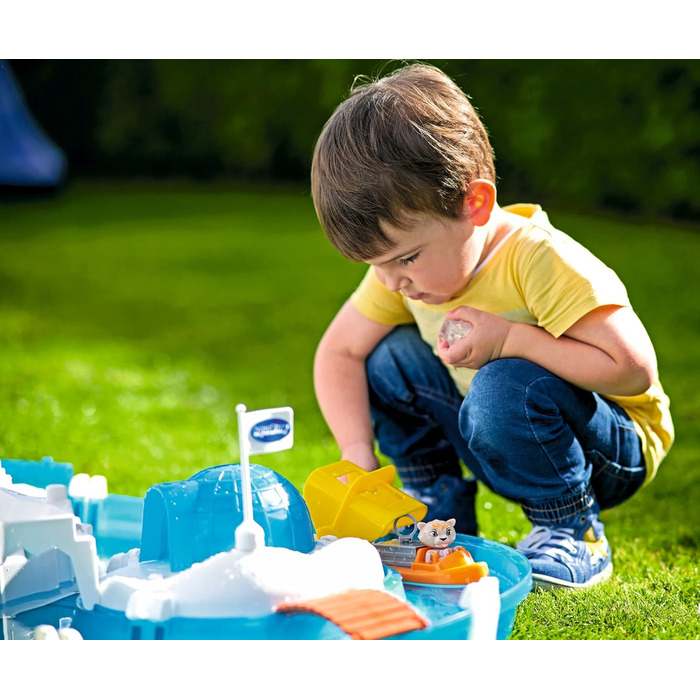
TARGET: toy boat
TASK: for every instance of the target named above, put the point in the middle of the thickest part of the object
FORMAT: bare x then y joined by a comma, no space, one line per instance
408,557
456,569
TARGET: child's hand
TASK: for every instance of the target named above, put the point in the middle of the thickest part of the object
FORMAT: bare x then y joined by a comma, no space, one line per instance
362,455
484,342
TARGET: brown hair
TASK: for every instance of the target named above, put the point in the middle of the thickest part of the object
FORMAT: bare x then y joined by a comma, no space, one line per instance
409,142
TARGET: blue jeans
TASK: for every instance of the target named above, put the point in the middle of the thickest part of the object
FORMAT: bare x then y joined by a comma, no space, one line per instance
557,450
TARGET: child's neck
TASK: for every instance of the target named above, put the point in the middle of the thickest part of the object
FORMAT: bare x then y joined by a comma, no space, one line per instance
499,225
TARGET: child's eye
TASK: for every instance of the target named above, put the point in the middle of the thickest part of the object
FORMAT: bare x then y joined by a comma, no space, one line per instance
448,531
434,533
409,260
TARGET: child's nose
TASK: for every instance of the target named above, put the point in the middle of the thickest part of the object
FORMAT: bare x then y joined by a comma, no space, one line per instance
394,281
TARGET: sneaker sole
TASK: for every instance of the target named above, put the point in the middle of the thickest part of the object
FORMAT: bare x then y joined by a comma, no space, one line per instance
549,582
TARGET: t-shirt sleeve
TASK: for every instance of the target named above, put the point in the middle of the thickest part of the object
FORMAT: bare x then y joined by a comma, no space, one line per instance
562,281
373,300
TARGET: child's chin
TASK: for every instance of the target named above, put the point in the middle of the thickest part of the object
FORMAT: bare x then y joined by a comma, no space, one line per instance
435,300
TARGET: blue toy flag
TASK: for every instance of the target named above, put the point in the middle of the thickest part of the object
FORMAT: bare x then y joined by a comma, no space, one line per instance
268,430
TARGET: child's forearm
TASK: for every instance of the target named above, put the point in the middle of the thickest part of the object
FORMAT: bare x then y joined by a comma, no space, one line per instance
341,390
340,380
579,362
607,351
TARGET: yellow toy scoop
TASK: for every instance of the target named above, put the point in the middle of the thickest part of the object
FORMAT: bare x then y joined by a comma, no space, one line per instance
344,500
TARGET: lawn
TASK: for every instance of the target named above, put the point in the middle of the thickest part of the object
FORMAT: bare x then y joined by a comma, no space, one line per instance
134,317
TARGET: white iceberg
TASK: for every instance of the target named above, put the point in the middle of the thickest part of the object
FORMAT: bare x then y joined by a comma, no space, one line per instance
242,584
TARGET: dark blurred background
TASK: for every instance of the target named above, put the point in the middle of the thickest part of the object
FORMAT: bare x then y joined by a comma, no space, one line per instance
613,135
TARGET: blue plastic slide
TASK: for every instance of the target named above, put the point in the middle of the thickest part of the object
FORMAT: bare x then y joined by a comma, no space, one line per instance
28,158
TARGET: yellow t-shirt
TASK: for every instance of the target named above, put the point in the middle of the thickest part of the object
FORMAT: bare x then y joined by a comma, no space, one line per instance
540,276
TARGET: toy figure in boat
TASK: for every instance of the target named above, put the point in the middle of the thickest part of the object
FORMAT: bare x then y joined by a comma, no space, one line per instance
437,535
430,559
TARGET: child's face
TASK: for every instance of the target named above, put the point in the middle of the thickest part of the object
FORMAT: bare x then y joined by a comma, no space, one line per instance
433,260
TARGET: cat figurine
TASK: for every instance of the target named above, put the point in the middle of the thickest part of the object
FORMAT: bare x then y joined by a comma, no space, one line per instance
438,535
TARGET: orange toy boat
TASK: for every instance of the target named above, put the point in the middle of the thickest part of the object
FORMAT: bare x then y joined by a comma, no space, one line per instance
408,556
456,569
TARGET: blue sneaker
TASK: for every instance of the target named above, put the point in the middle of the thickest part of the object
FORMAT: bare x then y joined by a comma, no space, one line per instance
567,557
449,497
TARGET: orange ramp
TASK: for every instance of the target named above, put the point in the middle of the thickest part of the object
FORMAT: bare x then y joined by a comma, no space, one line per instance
363,614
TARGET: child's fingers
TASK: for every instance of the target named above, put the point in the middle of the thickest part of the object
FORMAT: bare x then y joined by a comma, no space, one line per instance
462,313
452,354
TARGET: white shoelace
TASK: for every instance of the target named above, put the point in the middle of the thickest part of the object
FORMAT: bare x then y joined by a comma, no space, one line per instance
542,540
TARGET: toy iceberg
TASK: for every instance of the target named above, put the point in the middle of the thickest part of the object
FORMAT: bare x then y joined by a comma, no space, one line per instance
233,552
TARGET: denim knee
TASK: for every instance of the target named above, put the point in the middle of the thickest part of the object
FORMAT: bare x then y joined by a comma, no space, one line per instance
493,408
519,442
553,447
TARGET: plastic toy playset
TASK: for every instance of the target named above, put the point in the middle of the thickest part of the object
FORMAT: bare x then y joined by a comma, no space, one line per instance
236,552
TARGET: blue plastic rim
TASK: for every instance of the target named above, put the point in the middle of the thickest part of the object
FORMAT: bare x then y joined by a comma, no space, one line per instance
40,473
438,603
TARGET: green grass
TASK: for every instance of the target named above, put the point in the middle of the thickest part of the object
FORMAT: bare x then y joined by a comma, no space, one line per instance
134,317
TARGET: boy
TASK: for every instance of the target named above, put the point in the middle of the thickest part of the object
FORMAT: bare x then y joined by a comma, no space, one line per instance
552,399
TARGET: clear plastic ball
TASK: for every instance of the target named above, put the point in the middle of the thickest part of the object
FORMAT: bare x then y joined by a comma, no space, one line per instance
453,330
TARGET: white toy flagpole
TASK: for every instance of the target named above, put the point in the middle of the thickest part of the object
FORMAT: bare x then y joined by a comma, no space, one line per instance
249,534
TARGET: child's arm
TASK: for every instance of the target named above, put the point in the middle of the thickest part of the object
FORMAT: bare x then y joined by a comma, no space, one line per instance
340,380
607,351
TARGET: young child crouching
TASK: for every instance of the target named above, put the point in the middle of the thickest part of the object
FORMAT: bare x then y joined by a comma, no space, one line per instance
552,399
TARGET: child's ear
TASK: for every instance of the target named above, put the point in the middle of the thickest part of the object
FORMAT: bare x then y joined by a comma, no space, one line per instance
479,201
451,522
